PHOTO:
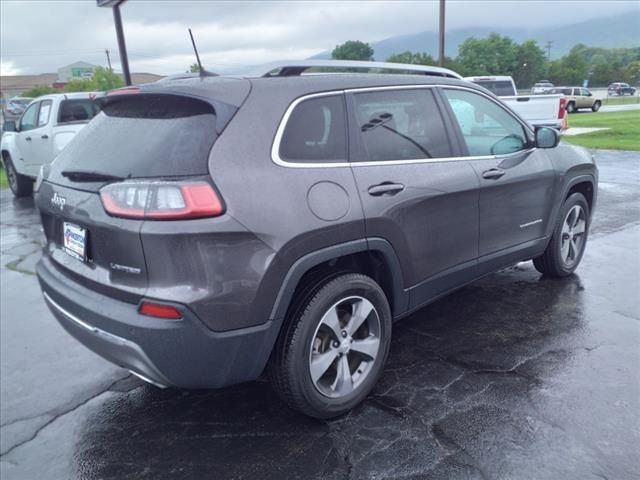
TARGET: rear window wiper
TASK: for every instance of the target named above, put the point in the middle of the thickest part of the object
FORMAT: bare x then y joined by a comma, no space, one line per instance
83,176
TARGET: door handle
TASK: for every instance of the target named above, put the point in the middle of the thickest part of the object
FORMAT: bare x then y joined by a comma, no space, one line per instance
385,188
44,137
493,174
28,139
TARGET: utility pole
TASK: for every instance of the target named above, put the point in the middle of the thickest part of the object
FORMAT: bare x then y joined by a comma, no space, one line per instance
441,34
108,59
549,43
122,47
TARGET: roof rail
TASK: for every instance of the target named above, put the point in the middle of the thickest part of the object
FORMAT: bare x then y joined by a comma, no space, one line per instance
298,67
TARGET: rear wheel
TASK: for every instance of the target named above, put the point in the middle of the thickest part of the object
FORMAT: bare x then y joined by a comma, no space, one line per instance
596,106
333,348
571,107
567,244
20,185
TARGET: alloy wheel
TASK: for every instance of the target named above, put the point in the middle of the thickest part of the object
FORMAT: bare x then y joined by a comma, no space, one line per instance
344,347
574,231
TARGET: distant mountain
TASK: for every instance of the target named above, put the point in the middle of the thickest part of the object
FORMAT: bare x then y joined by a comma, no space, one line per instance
620,31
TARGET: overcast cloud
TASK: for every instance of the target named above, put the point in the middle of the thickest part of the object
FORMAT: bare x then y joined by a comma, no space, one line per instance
41,36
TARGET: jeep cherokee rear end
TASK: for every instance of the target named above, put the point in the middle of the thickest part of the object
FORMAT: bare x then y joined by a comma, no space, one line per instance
142,261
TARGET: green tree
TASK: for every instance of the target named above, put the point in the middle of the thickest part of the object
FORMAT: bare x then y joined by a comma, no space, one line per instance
632,73
531,64
194,68
494,55
79,85
600,74
38,91
104,79
352,50
414,58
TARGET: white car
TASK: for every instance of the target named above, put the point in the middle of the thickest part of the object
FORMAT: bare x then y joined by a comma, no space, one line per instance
47,125
542,87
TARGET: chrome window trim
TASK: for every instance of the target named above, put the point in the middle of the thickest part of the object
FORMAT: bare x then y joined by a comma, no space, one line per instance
275,148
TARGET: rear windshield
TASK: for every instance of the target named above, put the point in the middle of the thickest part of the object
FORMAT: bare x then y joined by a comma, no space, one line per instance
77,110
143,136
501,88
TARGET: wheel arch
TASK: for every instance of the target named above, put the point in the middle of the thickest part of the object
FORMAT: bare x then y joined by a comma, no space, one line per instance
3,156
374,257
584,184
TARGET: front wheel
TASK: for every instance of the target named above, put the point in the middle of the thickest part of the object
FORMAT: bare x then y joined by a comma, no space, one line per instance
567,244
333,348
20,185
595,107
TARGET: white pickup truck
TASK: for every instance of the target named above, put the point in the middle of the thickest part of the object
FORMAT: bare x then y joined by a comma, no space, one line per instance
46,126
538,110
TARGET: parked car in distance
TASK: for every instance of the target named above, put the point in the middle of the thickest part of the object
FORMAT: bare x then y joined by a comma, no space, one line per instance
541,87
15,107
202,230
43,130
538,110
620,88
577,98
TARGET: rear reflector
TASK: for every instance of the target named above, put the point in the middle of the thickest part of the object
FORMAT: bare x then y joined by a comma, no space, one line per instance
160,200
159,311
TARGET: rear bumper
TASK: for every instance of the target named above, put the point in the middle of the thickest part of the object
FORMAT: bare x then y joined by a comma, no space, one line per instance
182,353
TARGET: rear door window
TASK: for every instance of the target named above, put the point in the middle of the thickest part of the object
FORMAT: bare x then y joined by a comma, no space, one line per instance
45,111
401,125
77,110
316,131
143,136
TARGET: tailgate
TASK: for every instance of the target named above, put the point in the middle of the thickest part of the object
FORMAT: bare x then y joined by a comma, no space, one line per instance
536,109
113,261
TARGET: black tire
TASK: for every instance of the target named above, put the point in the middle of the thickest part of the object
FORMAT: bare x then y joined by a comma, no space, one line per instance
290,364
571,107
551,262
20,185
596,106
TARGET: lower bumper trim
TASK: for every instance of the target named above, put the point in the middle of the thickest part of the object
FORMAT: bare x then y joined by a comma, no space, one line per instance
119,350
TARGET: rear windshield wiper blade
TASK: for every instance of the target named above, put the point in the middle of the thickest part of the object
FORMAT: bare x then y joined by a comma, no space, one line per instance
82,176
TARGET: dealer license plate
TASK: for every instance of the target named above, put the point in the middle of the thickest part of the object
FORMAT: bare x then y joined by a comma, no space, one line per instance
75,240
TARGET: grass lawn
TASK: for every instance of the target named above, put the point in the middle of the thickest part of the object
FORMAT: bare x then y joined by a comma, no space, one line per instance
3,178
621,100
623,133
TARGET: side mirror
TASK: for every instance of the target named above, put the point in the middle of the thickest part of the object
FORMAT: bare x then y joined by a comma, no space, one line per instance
9,126
547,137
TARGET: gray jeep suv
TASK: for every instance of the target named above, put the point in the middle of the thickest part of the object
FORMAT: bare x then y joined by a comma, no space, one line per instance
203,230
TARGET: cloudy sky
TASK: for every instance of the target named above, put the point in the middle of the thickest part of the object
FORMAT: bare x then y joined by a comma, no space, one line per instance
41,36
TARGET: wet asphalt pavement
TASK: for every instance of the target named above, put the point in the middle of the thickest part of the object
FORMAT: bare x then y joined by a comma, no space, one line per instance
515,376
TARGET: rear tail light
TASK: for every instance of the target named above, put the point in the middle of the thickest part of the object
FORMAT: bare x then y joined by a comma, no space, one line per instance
161,200
563,108
159,310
